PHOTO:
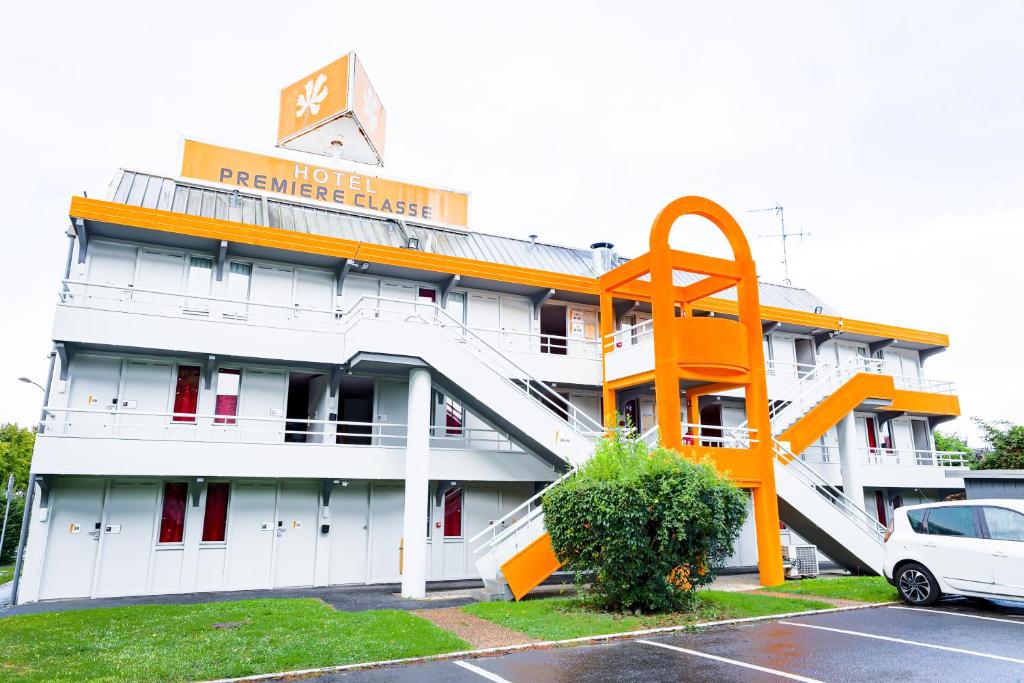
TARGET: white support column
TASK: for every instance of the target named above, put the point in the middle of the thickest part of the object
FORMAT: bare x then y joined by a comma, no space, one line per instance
417,454
850,465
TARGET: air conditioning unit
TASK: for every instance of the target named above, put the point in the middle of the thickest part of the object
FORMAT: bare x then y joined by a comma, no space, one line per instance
803,559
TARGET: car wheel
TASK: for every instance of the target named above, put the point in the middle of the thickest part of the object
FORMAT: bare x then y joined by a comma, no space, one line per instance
917,585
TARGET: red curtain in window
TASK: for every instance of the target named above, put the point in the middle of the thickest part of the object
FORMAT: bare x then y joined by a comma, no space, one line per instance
186,393
172,521
453,513
215,520
869,425
227,403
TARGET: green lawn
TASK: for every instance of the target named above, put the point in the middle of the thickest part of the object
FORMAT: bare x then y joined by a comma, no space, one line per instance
6,573
561,618
862,588
179,642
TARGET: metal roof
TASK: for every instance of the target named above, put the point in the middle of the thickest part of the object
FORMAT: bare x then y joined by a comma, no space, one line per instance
168,194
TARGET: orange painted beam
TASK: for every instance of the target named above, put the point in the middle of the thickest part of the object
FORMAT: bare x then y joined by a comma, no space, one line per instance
525,570
706,287
278,238
923,403
835,407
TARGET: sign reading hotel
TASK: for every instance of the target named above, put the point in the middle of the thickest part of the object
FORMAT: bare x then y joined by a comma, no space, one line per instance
335,112
248,170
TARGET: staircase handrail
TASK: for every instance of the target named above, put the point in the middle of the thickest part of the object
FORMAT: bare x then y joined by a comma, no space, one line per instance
843,503
849,368
495,527
442,320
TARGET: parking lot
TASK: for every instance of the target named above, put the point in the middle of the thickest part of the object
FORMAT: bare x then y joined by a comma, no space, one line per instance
952,641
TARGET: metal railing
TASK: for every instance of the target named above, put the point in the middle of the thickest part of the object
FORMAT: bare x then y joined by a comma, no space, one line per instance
780,368
707,435
548,344
510,372
131,299
829,493
631,335
820,453
116,423
915,457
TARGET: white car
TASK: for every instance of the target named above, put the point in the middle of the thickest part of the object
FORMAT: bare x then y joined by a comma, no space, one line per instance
973,548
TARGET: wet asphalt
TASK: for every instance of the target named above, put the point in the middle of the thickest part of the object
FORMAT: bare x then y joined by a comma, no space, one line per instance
954,641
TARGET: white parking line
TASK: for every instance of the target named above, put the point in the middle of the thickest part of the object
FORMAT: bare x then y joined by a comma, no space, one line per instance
902,641
734,662
960,614
480,672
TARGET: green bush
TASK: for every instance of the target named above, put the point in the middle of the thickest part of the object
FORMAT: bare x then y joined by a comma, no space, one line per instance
1007,442
644,527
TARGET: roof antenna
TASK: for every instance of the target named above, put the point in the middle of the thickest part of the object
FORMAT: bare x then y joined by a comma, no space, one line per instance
784,236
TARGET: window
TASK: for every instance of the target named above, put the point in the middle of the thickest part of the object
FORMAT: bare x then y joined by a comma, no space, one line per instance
952,521
216,517
186,393
425,294
228,383
1003,524
452,417
453,513
916,519
239,278
200,273
172,520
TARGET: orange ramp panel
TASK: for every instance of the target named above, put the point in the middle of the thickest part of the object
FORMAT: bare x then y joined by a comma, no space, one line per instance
525,570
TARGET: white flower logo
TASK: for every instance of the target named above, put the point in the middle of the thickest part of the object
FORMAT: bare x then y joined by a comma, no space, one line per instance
371,107
310,99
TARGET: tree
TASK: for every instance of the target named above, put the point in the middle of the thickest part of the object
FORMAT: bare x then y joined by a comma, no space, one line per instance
951,442
16,444
644,527
1007,443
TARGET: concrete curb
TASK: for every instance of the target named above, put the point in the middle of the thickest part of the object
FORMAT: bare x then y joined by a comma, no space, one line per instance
494,651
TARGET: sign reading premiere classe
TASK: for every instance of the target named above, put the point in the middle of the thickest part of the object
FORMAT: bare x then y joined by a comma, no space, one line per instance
248,170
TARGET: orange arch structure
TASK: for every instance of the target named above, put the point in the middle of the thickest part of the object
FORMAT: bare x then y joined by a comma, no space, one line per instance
700,355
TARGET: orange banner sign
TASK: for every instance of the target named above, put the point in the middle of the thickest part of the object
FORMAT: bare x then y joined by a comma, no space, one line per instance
321,183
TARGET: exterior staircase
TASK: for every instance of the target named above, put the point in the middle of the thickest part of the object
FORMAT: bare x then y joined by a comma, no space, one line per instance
384,333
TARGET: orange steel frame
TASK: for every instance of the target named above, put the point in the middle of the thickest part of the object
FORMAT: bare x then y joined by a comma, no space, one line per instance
713,353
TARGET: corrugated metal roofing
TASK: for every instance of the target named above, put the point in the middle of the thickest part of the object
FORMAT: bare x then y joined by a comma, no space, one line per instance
156,192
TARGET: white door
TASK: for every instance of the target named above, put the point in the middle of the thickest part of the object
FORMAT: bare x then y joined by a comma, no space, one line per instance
251,530
95,381
396,292
386,512
163,272
111,264
1006,548
350,522
515,323
357,287
271,292
480,508
314,296
262,397
76,512
954,550
127,539
582,332
482,317
147,386
295,556
392,409
784,351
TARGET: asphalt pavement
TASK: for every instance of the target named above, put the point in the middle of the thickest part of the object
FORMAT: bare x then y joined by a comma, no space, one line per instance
952,641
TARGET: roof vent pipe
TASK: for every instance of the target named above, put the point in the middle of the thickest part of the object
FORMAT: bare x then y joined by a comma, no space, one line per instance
533,240
602,257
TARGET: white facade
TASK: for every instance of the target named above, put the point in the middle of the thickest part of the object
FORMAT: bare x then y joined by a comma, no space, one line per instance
229,419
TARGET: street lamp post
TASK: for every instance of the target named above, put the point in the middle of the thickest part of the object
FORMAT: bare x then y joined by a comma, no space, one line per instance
26,380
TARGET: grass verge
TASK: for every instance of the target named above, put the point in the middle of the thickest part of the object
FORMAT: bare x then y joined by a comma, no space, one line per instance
180,642
860,588
6,573
561,618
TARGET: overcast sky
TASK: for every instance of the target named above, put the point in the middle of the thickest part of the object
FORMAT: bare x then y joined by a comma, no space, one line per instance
892,132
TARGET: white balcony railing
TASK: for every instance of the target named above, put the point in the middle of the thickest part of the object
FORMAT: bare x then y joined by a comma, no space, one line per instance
631,335
167,426
130,299
914,458
706,435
